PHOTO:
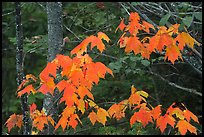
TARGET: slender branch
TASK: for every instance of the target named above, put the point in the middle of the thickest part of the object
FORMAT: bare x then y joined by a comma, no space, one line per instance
71,32
175,85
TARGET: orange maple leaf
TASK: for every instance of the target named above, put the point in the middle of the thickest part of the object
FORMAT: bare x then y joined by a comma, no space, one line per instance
51,68
102,114
33,107
93,117
134,44
14,120
102,35
147,26
134,16
153,42
27,89
30,76
189,115
172,53
83,91
73,122
117,111
143,116
156,112
183,126
162,122
63,122
165,39
121,26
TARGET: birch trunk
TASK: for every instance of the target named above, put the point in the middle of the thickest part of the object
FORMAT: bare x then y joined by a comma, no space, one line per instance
55,39
19,68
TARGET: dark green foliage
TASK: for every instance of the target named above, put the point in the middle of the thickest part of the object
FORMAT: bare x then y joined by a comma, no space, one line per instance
88,18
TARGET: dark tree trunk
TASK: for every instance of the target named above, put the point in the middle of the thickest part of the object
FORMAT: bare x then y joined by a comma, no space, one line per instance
19,68
55,40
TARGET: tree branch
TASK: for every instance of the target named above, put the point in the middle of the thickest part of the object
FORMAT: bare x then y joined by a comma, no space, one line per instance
175,85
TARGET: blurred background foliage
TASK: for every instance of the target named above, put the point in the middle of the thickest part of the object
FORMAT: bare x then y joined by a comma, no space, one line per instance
81,19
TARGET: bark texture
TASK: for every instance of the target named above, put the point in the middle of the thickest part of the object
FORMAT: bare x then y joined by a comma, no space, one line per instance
19,68
55,40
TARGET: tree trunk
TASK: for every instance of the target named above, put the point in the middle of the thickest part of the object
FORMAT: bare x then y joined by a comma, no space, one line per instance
19,68
55,39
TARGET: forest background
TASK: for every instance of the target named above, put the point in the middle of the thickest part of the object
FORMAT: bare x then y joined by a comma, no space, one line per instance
82,19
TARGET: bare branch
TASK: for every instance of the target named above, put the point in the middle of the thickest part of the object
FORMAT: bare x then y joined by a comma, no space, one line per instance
175,85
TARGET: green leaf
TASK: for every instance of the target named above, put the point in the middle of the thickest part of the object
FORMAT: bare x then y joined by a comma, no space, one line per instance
39,95
198,15
115,66
164,20
146,63
31,99
187,21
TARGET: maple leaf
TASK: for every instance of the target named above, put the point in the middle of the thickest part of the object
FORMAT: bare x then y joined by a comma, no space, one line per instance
172,53
61,85
165,39
65,62
143,93
153,42
162,122
156,112
189,115
83,91
33,107
133,27
134,99
102,114
134,16
81,105
40,120
183,126
27,90
95,41
62,122
181,42
145,51
92,104
117,110
51,68
121,26
179,114
133,89
173,29
14,120
143,116
30,76
102,35
91,73
69,97
68,111
102,69
21,86
133,44
47,86
147,26
184,38
73,122
82,47
93,117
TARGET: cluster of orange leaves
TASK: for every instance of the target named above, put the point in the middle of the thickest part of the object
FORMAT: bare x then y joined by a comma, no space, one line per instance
175,116
166,39
80,73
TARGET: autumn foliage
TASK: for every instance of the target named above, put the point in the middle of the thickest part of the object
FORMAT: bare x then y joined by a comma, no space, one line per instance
74,77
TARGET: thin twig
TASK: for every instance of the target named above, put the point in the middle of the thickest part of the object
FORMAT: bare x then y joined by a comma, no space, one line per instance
175,85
